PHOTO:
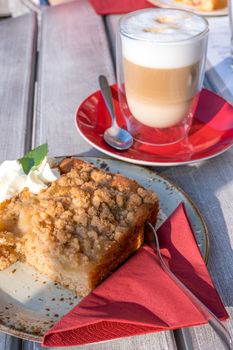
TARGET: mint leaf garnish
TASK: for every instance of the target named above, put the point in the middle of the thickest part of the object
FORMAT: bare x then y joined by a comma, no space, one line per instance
38,154
33,158
27,164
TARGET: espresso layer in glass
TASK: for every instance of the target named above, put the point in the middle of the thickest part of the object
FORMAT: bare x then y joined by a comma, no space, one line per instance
160,97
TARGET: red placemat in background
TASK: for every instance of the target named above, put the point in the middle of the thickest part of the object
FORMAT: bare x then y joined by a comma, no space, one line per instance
106,7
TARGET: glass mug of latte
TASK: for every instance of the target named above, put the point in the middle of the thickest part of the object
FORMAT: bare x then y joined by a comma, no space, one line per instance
161,56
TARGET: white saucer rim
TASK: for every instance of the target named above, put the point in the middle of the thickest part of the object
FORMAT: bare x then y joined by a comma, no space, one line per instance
213,13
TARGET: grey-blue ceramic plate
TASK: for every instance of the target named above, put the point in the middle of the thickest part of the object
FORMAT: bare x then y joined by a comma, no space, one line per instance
30,303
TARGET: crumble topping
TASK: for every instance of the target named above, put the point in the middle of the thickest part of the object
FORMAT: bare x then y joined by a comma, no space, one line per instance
8,249
78,218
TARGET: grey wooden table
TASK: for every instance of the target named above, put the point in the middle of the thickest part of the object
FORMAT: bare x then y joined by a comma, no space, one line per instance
41,84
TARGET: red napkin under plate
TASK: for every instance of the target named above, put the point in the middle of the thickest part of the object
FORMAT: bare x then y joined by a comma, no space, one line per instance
106,7
139,297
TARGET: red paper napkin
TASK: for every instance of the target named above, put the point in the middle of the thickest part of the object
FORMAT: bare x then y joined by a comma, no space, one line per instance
139,297
106,7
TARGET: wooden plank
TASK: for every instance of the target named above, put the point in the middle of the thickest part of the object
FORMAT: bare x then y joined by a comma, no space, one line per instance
17,62
73,53
210,186
28,345
182,338
8,342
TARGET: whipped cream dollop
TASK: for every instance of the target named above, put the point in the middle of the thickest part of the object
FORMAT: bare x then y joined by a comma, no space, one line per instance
13,179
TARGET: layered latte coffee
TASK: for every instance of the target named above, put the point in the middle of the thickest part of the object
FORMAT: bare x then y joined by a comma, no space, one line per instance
163,55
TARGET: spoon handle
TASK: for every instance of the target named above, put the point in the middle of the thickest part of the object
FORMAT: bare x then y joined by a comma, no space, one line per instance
107,95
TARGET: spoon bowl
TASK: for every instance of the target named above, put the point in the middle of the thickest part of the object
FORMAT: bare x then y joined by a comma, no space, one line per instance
118,138
114,136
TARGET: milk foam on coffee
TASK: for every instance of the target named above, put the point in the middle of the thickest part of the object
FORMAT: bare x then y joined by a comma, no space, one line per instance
162,58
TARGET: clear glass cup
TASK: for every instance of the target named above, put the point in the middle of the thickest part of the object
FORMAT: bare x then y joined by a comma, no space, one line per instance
160,72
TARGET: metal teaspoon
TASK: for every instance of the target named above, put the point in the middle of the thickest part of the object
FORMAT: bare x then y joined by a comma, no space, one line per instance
115,136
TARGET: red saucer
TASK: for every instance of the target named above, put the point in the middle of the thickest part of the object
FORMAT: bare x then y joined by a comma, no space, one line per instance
211,133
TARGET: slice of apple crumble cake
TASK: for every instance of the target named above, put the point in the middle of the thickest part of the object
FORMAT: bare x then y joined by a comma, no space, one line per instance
78,230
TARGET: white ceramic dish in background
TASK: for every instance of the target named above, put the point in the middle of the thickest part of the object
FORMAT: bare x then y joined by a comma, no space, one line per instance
30,303
180,5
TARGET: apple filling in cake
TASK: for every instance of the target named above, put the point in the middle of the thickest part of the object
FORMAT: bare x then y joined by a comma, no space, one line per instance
79,229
